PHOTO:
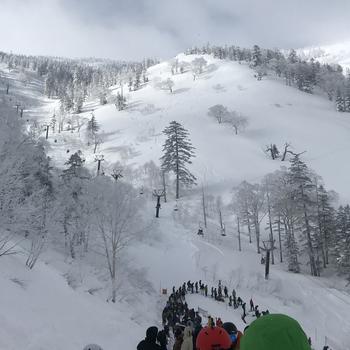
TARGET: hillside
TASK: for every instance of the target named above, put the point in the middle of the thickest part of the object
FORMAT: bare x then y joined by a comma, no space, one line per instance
335,53
41,309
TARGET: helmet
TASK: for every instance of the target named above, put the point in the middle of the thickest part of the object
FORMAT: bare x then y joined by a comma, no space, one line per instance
92,347
213,338
229,327
274,332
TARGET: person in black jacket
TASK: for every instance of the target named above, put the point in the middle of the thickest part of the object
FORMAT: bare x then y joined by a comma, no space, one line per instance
149,343
162,338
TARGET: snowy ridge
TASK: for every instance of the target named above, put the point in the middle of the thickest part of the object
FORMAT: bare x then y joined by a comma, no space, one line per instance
336,53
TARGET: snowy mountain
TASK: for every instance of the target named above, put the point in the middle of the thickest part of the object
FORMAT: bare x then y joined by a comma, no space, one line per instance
335,53
62,302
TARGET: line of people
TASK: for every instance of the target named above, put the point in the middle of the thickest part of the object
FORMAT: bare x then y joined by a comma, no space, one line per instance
187,333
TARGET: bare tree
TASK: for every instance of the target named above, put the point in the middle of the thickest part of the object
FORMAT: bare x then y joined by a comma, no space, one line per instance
236,120
115,214
197,66
219,112
7,245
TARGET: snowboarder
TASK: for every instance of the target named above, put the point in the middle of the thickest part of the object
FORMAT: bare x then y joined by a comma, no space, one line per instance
200,232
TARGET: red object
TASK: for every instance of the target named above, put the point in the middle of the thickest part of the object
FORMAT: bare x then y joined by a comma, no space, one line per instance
213,338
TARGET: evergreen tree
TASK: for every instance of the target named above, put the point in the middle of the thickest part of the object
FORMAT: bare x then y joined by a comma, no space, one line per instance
293,57
339,101
178,152
120,102
325,222
342,246
302,195
92,128
75,167
256,56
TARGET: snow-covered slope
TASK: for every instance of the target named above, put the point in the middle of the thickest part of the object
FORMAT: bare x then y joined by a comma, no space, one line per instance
40,310
276,113
334,53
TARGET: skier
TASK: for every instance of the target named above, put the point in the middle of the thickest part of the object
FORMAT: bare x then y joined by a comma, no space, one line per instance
230,301
212,292
206,290
196,286
234,293
226,292
149,343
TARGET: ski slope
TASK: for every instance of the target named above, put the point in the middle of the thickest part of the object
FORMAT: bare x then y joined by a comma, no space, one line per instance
276,113
42,311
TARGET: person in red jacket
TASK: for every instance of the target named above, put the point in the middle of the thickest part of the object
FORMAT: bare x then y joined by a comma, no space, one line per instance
213,338
218,322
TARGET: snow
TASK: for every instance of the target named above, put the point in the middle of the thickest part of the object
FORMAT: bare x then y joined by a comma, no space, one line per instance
41,311
334,53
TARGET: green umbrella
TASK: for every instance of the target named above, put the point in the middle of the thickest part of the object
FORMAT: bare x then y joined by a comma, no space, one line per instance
274,332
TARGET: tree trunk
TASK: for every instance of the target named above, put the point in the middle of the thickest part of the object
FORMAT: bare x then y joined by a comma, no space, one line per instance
279,238
272,243
239,235
204,209
177,166
257,233
313,268
249,229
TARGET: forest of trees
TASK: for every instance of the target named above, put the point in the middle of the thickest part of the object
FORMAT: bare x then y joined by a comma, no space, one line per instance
307,76
71,81
301,218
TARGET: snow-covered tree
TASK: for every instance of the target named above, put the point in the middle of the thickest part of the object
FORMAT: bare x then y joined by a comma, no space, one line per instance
236,120
219,112
117,221
178,152
197,66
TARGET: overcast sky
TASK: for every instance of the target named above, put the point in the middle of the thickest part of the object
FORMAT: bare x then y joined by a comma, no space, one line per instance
133,29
